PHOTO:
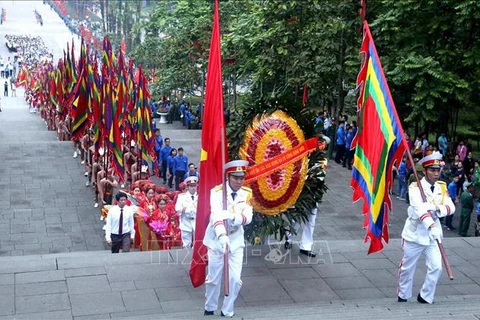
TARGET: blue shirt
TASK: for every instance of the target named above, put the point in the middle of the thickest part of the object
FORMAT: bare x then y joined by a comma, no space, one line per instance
180,163
350,136
452,190
402,169
158,145
341,136
165,153
170,163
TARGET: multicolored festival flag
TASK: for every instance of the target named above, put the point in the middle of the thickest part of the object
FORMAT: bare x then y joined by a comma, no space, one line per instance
213,155
379,143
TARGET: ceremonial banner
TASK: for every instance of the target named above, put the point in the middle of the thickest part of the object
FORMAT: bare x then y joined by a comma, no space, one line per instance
379,145
212,159
265,168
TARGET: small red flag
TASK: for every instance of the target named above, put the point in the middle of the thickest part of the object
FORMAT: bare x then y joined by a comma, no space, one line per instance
305,95
212,157
123,46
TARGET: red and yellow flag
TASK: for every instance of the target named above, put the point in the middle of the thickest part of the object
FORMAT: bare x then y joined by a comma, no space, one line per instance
212,157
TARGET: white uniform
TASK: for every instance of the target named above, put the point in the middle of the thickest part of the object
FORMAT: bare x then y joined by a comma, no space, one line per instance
242,210
416,238
186,207
306,242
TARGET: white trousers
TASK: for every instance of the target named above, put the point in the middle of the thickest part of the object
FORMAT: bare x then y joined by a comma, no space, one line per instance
411,254
306,243
214,279
187,237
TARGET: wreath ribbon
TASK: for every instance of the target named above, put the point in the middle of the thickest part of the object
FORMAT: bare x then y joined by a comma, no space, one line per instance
265,168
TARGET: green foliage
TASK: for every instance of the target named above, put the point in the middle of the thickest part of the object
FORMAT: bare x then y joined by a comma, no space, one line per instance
176,44
430,52
283,45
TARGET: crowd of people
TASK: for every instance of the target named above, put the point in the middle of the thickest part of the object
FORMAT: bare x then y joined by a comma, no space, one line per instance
27,51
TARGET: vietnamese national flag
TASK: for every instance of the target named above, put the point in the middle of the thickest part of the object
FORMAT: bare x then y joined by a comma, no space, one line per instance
212,159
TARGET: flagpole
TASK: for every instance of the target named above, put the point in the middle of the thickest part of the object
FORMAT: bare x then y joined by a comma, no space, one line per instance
409,155
226,274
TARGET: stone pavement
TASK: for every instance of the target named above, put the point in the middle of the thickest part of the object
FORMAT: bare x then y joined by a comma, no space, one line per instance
342,282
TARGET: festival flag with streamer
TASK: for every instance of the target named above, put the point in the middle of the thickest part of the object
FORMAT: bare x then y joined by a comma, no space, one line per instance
379,143
213,155
80,105
145,140
115,136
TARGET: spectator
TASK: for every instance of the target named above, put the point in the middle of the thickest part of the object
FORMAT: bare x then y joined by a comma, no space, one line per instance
453,193
171,168
402,179
164,154
461,150
348,153
180,167
341,139
467,203
443,144
192,171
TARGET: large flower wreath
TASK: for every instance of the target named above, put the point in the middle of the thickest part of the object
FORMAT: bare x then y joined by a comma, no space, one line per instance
259,132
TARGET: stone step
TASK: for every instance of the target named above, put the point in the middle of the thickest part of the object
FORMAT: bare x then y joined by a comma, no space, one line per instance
447,307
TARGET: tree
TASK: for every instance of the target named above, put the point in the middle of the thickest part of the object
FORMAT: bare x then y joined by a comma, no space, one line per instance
319,40
430,53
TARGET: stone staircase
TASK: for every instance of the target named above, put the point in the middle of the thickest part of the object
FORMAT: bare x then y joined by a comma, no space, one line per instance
445,307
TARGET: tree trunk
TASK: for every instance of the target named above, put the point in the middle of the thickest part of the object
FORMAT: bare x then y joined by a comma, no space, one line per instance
104,15
138,17
119,20
235,88
341,62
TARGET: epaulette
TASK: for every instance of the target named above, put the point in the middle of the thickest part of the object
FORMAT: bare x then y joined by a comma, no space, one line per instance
247,189
218,188
441,182
414,184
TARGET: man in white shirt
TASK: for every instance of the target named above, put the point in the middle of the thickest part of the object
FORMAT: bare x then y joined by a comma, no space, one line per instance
119,230
186,207
225,230
422,230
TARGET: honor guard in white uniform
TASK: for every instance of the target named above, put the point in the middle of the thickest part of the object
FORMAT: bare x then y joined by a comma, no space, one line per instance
186,207
226,229
422,229
306,242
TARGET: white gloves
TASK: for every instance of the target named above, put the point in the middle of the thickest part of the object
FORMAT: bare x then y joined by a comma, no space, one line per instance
224,241
435,234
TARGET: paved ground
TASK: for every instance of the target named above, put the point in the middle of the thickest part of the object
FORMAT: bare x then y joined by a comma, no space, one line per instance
45,209
343,282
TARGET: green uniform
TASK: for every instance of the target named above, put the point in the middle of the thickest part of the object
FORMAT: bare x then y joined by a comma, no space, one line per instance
466,199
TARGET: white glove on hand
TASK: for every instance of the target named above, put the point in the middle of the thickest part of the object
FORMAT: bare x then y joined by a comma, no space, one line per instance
435,234
224,241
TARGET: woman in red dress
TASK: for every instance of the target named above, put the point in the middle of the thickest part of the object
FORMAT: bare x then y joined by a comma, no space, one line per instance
148,203
146,208
158,222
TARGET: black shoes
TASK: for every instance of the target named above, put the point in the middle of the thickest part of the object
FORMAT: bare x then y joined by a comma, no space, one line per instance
401,300
308,253
222,315
420,299
208,313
